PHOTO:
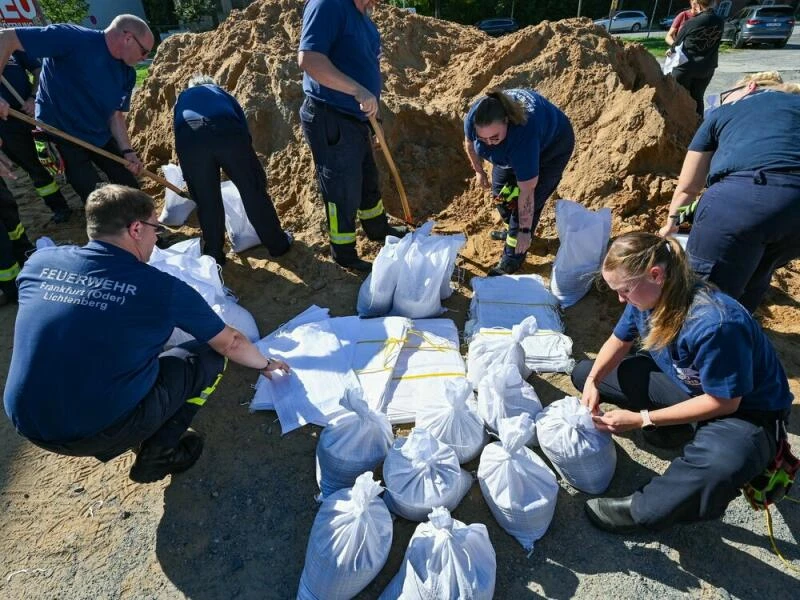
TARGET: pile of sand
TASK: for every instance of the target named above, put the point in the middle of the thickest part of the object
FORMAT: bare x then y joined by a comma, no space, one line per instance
632,124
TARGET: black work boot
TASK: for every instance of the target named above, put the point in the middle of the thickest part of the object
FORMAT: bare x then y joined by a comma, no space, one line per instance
355,264
499,236
153,463
398,231
612,514
508,264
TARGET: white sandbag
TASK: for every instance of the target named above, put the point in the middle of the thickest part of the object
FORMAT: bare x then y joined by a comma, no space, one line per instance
239,318
495,347
176,208
446,560
240,231
351,444
453,420
675,58
376,295
420,472
518,486
348,544
582,454
503,393
584,238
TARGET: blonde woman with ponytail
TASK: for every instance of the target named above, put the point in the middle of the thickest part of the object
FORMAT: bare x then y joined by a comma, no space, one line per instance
701,359
529,142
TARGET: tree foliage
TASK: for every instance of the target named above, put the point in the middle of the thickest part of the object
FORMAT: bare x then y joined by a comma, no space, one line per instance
160,16
65,11
194,10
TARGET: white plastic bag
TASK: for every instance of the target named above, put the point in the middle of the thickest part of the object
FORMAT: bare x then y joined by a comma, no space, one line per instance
446,560
494,347
503,393
351,444
420,472
518,486
582,454
348,544
453,420
176,208
583,235
376,295
675,58
240,231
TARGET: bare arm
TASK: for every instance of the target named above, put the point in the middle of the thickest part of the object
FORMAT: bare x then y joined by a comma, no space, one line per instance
477,164
235,346
610,356
320,67
525,212
691,182
119,130
670,37
9,43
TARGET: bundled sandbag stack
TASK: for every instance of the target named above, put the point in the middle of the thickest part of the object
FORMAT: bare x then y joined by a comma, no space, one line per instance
583,236
349,543
518,486
446,559
500,303
582,454
491,347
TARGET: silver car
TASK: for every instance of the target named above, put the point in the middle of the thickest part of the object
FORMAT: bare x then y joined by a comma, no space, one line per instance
624,20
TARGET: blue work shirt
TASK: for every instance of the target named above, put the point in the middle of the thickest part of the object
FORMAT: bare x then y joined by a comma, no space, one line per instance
337,29
81,85
720,350
208,102
759,132
16,73
525,144
92,321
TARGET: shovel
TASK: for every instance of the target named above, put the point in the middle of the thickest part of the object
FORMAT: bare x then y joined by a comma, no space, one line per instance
408,219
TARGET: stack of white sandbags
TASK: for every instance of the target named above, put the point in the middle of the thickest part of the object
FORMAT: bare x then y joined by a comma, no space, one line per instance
582,454
500,303
492,347
446,559
584,238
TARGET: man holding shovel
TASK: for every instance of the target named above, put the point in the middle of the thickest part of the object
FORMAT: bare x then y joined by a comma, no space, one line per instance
339,52
85,90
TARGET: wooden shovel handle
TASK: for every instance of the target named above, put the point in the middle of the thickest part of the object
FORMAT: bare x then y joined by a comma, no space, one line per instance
393,168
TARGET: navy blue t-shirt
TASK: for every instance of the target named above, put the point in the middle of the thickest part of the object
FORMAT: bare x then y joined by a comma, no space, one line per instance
208,102
760,131
720,350
16,72
92,321
351,41
81,85
524,145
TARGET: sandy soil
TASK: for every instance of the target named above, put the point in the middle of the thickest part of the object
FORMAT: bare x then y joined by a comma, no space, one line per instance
236,525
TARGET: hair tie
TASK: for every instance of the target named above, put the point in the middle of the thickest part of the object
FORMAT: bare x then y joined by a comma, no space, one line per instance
669,246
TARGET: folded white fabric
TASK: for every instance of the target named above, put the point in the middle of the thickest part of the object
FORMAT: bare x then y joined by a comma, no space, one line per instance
429,360
176,208
583,455
503,393
453,420
420,473
349,543
487,349
518,486
352,443
446,560
583,235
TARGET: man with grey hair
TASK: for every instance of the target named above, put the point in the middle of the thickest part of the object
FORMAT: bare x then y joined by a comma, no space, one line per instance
88,376
85,90
211,133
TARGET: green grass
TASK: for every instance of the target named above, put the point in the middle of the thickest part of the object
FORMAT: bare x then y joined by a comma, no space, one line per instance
141,73
658,47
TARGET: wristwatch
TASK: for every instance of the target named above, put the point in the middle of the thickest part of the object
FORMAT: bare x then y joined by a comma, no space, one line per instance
647,423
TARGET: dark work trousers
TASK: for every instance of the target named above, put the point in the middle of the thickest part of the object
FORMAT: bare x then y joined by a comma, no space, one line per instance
79,167
725,453
746,226
187,376
552,163
19,146
204,147
9,266
20,245
347,175
695,84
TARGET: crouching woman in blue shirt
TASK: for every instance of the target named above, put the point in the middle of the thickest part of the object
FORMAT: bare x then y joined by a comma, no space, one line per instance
704,360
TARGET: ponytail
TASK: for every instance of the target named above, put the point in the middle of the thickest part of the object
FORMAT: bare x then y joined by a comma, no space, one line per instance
634,254
498,106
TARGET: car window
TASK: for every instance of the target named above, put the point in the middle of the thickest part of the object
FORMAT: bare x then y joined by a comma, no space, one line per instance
776,11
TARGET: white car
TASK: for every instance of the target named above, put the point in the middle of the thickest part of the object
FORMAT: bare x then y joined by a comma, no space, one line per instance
624,20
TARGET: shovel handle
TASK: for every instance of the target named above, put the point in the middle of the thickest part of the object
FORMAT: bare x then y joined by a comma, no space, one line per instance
393,168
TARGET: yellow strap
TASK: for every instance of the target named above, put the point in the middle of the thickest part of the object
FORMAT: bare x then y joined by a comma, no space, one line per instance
333,228
508,332
16,233
768,517
10,273
390,346
429,375
371,213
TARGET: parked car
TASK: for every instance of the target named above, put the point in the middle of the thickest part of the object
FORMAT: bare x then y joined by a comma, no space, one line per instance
624,20
666,22
760,24
497,26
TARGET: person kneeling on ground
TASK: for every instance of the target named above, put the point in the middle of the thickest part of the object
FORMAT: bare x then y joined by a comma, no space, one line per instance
529,142
704,360
211,132
88,376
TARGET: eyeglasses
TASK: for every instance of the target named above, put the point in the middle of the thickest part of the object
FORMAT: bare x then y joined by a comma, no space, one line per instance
159,228
142,49
495,139
724,95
